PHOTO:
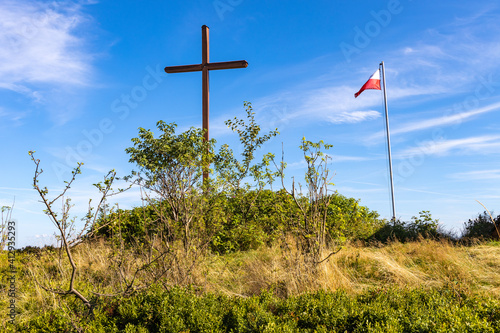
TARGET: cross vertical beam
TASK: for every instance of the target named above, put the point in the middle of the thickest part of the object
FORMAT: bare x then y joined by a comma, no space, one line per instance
205,67
205,56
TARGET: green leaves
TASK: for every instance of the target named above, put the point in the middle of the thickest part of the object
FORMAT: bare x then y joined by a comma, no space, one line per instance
171,157
231,169
423,226
375,310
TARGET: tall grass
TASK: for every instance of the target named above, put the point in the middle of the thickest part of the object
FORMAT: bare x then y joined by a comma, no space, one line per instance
423,264
426,264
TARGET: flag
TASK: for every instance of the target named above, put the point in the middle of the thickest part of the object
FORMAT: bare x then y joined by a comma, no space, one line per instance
372,83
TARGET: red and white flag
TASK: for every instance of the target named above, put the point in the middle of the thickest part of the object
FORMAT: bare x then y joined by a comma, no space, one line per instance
372,83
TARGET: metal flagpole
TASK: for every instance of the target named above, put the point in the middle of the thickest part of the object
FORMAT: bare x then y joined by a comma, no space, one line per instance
389,145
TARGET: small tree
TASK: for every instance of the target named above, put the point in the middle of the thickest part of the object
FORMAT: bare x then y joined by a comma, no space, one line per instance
423,225
171,167
67,234
311,227
231,173
133,273
231,170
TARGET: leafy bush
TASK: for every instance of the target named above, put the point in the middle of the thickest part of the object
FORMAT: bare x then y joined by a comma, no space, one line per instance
377,310
247,219
133,224
349,220
419,227
252,219
481,227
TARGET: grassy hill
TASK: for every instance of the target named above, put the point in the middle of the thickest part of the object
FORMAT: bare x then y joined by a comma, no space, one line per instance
224,255
270,283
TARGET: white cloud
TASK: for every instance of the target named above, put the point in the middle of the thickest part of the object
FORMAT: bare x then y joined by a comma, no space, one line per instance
473,145
334,104
343,158
296,165
353,117
477,175
445,120
39,45
42,57
355,191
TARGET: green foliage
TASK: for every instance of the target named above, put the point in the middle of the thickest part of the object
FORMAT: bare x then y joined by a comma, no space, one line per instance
423,225
419,227
247,220
348,220
377,310
133,225
481,227
231,170
47,322
170,159
252,219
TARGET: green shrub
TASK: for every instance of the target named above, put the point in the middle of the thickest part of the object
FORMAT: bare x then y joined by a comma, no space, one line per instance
348,220
244,220
133,224
376,310
419,227
252,219
481,227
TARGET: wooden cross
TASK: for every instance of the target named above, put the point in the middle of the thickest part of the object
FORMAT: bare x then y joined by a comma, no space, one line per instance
205,67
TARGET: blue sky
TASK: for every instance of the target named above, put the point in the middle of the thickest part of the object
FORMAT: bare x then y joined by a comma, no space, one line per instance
77,78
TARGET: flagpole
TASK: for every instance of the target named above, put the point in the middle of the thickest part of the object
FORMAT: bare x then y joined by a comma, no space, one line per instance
389,145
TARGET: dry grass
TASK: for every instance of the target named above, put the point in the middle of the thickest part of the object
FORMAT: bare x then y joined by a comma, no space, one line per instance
425,264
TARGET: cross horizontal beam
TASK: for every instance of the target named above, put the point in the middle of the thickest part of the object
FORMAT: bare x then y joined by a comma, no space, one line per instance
184,68
210,66
213,66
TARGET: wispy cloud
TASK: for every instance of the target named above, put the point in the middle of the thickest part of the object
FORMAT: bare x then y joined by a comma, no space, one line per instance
477,175
473,145
40,45
453,60
13,118
343,158
307,103
42,53
445,120
355,191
